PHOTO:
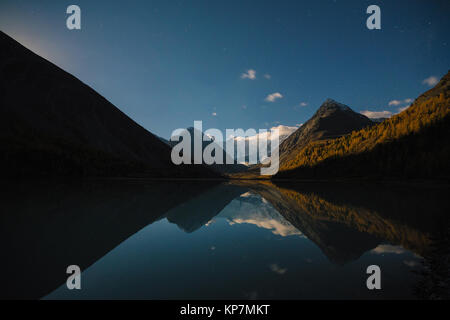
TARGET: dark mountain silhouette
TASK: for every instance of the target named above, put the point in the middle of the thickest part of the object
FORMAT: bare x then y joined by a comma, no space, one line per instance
198,211
345,219
331,120
169,143
47,226
53,124
339,242
411,144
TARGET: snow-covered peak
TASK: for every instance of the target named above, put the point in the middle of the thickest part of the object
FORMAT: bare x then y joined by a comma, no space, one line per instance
283,132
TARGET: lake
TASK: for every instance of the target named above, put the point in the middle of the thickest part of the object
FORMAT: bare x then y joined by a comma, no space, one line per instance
233,240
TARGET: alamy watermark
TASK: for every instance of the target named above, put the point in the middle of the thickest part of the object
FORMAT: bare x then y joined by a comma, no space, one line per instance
192,150
374,20
374,280
74,280
74,20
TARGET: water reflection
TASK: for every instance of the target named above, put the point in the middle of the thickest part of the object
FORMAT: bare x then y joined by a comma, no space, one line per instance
209,240
46,226
253,209
346,220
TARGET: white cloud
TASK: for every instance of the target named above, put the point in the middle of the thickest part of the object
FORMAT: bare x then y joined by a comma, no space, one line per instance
267,76
250,74
274,96
277,269
399,102
395,102
214,114
430,81
277,227
246,194
376,114
387,114
300,105
387,248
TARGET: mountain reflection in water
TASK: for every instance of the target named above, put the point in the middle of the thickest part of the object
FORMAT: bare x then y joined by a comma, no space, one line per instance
186,240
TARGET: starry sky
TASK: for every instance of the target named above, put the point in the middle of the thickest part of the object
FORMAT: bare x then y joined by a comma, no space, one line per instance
240,64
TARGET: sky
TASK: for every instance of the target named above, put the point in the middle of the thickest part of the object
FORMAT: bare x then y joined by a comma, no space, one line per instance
240,64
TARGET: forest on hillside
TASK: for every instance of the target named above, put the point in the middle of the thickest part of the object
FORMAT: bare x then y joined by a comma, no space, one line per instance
413,143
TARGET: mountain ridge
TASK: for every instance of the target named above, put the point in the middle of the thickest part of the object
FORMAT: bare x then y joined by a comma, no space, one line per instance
411,143
54,124
332,119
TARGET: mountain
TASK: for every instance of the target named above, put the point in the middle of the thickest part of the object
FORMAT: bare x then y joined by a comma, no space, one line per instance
89,219
204,207
251,208
411,144
283,133
53,124
339,242
223,168
378,119
331,120
441,89
348,219
169,143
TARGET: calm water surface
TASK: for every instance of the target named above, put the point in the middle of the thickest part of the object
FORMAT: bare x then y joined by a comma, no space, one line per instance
136,240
